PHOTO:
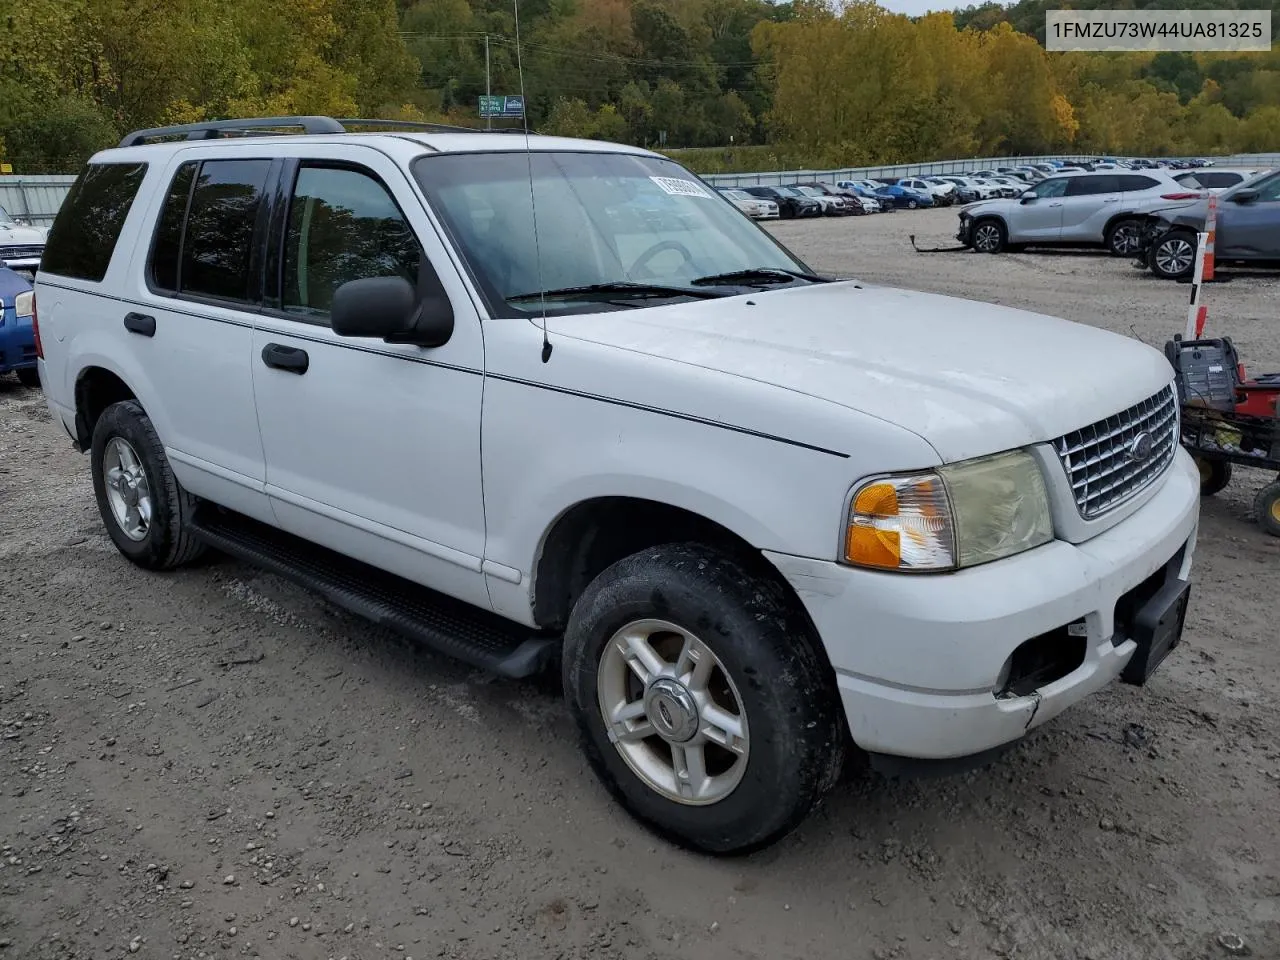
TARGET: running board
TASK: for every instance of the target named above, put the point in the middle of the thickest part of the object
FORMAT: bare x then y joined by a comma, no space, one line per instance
448,626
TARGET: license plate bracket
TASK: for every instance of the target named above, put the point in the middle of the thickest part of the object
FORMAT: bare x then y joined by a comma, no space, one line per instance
1157,628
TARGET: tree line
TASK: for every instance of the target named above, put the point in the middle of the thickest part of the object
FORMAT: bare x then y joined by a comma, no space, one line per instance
808,83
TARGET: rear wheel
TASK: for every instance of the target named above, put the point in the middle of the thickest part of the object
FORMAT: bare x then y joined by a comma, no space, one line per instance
1267,508
1173,256
1123,237
146,512
989,236
1215,475
29,377
701,700
912,204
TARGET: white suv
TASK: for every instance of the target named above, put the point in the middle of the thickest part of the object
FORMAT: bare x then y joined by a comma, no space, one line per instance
759,518
1076,209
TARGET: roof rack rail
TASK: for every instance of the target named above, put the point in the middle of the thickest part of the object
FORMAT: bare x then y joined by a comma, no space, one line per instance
212,129
209,129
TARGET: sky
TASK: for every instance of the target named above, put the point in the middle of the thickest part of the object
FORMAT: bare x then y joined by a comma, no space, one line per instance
915,8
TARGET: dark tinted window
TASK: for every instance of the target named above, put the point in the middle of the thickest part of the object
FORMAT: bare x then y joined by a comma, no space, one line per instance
168,239
219,237
1134,181
1218,179
1092,186
343,225
85,232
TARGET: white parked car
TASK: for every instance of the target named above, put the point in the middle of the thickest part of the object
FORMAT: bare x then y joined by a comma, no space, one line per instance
756,207
642,443
1075,209
21,244
1218,180
941,191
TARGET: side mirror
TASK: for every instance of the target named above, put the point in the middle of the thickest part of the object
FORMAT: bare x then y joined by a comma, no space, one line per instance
1244,196
392,309
1027,197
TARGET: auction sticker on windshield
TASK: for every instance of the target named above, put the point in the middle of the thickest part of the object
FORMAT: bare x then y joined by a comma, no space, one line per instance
681,188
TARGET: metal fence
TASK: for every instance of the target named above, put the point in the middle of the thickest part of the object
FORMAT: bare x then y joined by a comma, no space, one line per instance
35,199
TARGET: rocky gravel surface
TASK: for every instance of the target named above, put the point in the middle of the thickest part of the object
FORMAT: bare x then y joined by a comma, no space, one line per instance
214,763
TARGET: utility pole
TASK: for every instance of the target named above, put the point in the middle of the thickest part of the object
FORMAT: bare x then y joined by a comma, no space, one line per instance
488,81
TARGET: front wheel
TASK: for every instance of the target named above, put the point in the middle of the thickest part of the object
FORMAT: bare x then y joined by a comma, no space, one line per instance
1173,256
989,236
911,204
1267,508
146,512
701,700
1123,237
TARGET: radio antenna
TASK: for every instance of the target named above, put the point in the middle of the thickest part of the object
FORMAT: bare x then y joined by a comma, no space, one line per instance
533,202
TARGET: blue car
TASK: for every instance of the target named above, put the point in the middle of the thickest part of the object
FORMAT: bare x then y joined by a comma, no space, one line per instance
17,338
911,199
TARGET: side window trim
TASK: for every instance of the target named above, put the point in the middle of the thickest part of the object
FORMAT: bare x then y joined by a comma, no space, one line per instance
149,268
288,180
256,243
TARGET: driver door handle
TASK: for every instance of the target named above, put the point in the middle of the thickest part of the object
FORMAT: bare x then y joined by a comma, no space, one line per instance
291,359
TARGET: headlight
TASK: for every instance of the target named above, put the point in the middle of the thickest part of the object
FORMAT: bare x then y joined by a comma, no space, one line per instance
22,305
959,515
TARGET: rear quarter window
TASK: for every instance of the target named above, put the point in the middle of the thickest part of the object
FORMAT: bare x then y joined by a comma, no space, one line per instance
88,224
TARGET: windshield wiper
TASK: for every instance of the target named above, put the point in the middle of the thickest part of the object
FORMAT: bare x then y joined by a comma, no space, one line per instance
757,275
613,288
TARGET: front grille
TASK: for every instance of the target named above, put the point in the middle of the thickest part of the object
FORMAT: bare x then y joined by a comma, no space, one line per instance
21,251
1100,459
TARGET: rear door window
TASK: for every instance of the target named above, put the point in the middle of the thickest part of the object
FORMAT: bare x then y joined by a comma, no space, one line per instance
1092,186
218,243
88,224
1131,182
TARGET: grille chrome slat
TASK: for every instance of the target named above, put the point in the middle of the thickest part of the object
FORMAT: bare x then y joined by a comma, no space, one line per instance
1097,460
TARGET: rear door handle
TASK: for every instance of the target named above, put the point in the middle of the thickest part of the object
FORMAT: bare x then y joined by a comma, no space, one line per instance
280,357
140,323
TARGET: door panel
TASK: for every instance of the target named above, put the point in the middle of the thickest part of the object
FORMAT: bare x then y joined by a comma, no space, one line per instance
371,448
1040,218
1251,231
192,325
1089,202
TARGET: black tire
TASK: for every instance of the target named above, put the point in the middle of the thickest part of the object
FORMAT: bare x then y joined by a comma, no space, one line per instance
1166,257
168,541
1215,475
29,377
796,733
989,235
1122,237
1266,507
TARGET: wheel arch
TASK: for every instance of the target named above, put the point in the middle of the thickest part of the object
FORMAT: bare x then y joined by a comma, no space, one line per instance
96,388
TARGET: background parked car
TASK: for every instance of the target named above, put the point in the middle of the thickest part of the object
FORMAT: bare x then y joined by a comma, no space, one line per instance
942,192
864,189
832,206
17,338
1248,230
21,244
1074,209
904,197
856,205
1217,180
755,207
790,203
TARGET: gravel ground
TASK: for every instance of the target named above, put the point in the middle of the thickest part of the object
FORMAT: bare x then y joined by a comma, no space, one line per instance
215,763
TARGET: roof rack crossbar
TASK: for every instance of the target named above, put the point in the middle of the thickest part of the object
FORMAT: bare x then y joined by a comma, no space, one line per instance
209,129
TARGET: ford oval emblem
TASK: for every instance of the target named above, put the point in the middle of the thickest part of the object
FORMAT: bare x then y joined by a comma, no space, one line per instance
1140,448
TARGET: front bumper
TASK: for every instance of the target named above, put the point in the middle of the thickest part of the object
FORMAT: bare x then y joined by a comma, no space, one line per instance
919,658
17,341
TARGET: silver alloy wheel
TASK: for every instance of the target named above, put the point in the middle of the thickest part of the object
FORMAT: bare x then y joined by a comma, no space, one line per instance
1125,239
986,238
673,712
1175,256
128,491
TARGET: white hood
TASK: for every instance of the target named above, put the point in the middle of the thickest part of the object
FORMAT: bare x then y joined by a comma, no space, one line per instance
13,234
971,378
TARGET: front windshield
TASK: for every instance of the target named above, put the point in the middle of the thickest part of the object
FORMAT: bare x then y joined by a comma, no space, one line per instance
5,218
602,218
